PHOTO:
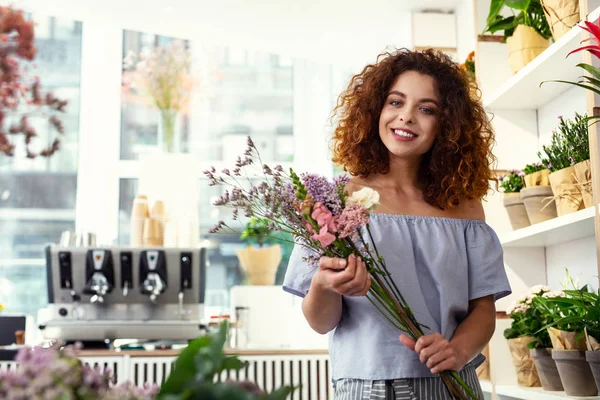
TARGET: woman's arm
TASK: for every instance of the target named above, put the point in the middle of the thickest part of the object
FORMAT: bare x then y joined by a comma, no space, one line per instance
322,305
469,338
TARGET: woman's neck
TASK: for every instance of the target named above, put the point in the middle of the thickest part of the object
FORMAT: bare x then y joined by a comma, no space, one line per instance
403,175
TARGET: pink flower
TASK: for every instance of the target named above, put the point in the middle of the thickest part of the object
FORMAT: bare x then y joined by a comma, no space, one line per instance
353,217
326,222
324,237
323,216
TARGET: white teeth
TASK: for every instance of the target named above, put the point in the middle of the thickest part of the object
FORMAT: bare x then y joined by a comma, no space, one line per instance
402,133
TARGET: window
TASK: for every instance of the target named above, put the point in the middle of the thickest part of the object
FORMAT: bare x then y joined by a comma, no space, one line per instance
238,93
37,197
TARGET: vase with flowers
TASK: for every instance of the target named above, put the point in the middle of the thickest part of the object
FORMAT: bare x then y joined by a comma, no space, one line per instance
511,185
161,79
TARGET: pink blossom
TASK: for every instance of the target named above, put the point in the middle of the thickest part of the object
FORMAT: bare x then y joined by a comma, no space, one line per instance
353,217
324,237
323,216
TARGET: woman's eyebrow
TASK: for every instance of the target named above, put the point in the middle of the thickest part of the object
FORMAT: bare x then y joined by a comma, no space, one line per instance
424,100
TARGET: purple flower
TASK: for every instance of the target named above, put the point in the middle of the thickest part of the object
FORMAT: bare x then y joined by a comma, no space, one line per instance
323,191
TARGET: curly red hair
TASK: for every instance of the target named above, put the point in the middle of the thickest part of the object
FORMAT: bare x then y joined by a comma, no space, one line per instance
458,166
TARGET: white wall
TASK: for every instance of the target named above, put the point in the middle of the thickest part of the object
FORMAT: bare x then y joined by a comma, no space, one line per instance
333,31
573,100
466,31
579,256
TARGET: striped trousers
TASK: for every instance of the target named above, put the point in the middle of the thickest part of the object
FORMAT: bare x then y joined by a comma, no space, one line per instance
402,389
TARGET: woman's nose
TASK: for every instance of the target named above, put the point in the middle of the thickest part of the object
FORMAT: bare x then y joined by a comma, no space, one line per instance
405,116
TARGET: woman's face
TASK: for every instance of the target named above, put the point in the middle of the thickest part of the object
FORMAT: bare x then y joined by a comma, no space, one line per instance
409,120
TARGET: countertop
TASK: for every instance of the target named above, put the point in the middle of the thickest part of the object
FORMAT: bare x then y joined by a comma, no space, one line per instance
171,353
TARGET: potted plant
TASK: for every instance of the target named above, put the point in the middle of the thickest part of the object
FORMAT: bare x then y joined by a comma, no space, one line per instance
526,34
562,15
511,185
522,336
541,346
567,315
592,334
536,192
559,158
577,140
260,259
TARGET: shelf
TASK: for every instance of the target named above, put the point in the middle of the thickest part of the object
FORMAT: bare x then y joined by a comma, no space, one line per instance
523,91
563,229
519,392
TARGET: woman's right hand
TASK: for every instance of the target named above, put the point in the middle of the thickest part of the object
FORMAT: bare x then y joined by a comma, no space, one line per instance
346,277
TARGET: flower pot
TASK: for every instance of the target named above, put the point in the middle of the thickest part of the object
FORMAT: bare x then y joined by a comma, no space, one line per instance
260,264
527,375
515,208
575,372
566,192
593,358
538,178
546,368
583,175
562,15
537,203
523,46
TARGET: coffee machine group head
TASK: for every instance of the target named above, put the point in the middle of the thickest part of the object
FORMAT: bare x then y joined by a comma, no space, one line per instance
153,273
99,274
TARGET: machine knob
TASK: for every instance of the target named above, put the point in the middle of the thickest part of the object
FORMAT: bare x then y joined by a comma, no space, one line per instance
63,312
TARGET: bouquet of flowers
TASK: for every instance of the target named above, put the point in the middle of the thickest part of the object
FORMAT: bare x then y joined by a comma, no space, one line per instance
49,373
328,222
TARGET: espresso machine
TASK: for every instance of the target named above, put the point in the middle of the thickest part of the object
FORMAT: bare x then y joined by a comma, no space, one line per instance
108,293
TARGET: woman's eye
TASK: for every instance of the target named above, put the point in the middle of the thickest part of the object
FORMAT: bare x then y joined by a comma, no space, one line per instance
427,110
395,103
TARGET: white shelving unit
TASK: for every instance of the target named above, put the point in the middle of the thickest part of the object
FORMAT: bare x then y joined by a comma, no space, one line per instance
557,230
523,90
518,392
524,113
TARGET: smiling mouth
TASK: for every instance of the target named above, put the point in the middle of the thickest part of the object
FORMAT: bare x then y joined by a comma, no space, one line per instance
404,133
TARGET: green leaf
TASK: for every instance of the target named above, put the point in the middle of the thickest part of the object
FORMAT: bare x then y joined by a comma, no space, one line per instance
495,8
591,69
184,366
521,5
233,363
281,394
576,84
197,363
505,24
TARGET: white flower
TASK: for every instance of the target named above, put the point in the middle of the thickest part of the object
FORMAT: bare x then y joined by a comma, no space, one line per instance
539,289
558,293
365,197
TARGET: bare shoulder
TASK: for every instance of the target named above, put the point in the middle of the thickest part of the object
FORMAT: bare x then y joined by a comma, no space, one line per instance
469,209
356,184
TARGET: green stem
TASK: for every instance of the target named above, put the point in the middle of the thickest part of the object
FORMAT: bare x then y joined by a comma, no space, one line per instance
168,126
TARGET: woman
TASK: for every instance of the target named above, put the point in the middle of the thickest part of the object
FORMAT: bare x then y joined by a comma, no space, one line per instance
409,128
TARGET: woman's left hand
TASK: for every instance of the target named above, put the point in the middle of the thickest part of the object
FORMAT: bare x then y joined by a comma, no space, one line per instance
436,352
